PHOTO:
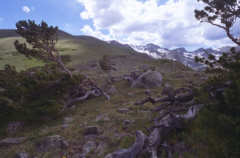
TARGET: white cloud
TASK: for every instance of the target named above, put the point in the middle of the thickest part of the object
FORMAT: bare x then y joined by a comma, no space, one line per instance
26,9
138,22
88,30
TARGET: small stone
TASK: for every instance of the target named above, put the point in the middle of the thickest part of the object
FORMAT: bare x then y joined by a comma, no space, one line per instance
2,89
100,149
12,141
102,118
112,90
65,126
14,127
130,94
21,155
68,120
126,123
148,92
51,143
123,110
91,130
88,147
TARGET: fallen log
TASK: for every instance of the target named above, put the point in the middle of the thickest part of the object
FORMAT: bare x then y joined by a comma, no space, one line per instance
85,97
152,100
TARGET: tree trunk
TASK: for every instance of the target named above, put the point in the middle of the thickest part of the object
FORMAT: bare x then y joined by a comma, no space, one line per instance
59,61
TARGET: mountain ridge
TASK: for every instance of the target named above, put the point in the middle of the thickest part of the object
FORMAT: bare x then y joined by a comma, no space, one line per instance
153,50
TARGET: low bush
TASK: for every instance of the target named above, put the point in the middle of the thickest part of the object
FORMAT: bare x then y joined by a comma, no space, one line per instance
35,93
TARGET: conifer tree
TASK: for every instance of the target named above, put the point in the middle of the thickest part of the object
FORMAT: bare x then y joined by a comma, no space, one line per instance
41,41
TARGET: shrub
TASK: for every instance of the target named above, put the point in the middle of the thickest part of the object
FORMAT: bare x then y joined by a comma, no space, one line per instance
34,93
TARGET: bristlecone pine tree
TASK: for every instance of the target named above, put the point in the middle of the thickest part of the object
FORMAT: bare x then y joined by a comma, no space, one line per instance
222,13
41,42
224,86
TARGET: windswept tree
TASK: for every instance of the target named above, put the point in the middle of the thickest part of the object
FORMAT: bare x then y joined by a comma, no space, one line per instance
41,42
223,103
224,14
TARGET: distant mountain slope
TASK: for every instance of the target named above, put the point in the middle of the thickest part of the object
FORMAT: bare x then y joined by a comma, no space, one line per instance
4,33
8,33
180,54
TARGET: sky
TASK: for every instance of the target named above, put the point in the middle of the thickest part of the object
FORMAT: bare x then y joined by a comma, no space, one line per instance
167,23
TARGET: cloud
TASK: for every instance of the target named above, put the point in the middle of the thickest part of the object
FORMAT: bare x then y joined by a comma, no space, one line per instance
171,24
26,9
88,30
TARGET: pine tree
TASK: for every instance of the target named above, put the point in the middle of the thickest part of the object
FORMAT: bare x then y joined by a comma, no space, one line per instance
41,42
223,14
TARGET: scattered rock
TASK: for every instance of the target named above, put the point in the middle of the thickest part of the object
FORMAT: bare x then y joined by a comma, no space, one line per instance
102,118
88,147
123,110
169,91
116,79
112,90
149,79
130,94
65,126
22,155
67,120
12,141
51,143
14,127
91,130
148,92
101,148
126,123
2,90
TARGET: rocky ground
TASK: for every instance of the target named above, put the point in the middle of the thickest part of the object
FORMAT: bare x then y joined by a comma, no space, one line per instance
146,95
98,127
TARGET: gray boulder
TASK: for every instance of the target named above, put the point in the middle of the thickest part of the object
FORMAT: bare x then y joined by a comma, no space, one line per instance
22,155
149,79
91,130
12,141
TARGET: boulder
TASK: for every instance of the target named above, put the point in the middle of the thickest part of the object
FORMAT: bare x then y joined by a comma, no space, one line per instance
102,118
49,143
22,155
91,130
12,141
68,120
149,79
123,110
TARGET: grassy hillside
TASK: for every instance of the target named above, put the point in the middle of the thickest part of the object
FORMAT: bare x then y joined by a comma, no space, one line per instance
85,53
6,33
82,49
